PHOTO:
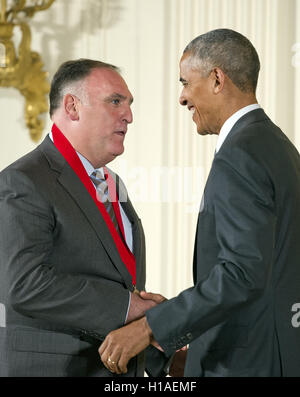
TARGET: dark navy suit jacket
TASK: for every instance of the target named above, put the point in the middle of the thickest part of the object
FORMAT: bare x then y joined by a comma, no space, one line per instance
237,316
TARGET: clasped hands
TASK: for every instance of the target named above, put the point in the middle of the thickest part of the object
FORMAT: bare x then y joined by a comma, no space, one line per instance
124,343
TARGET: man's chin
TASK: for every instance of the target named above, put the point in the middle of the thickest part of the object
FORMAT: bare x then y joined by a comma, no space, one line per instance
205,132
118,152
202,132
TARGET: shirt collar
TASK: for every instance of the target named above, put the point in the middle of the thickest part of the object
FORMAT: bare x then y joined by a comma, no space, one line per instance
229,123
85,162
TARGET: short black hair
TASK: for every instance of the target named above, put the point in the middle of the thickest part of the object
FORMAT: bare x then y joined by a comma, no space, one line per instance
73,71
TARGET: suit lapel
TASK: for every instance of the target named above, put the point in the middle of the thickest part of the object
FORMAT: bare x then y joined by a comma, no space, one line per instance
130,213
136,234
137,237
251,117
71,183
137,229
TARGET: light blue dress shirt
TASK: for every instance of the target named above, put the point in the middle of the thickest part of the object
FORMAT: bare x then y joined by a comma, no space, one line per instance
126,223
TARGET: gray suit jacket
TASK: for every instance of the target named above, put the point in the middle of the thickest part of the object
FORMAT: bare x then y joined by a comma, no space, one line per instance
237,317
63,286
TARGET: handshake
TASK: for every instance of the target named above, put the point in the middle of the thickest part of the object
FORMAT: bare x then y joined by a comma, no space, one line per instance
124,343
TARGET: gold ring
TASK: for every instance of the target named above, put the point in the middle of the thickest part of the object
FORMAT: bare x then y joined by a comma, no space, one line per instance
110,362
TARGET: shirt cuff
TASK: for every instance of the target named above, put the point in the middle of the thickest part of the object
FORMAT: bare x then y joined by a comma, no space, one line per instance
128,307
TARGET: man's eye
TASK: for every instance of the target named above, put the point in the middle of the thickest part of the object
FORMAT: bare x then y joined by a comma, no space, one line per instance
116,101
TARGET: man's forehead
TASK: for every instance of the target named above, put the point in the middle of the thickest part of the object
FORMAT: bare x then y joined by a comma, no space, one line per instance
186,61
185,58
189,67
108,82
104,76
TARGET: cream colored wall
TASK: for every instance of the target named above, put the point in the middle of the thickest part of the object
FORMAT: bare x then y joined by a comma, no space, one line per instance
165,164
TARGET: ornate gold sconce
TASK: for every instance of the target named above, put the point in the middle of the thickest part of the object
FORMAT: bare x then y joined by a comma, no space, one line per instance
23,70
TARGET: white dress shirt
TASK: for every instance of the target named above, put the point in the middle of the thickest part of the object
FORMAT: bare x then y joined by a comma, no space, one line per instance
229,123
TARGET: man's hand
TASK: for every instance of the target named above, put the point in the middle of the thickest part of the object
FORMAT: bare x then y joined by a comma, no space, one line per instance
142,302
124,343
157,298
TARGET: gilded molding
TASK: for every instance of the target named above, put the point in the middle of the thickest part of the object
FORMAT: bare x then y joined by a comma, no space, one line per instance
23,70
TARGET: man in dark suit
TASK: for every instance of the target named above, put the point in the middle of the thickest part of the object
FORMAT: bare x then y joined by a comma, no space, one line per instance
236,318
71,256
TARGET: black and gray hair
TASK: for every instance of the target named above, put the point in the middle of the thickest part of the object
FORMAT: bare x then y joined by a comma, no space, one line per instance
229,50
69,74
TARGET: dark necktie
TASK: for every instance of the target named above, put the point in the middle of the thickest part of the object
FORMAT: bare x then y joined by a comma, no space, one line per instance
102,189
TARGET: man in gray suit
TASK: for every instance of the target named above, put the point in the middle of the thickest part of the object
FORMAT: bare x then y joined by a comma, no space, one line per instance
236,318
71,257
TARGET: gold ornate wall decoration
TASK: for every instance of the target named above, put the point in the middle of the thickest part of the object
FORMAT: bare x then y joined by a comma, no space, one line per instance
23,69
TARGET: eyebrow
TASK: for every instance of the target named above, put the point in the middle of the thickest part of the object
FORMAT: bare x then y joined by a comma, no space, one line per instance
115,95
182,80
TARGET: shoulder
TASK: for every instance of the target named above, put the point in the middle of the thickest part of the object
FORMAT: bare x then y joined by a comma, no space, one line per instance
256,135
30,172
258,146
246,159
31,161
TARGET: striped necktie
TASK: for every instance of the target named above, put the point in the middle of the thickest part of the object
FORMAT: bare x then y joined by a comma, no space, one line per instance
102,189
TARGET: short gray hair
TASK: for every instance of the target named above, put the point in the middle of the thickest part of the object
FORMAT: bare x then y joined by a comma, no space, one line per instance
230,51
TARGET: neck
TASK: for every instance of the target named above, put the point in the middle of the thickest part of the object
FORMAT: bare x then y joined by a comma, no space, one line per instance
232,104
80,143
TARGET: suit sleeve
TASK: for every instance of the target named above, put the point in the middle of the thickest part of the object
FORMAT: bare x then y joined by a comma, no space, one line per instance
77,302
243,207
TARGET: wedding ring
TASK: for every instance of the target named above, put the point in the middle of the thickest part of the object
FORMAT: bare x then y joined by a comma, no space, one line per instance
110,362
135,290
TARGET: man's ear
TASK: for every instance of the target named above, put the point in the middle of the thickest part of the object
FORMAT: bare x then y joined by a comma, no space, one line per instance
219,79
71,106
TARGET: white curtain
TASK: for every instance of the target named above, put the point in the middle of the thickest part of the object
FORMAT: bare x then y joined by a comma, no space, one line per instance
166,163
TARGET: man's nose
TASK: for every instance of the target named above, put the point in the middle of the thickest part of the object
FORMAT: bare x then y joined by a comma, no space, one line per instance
182,100
128,117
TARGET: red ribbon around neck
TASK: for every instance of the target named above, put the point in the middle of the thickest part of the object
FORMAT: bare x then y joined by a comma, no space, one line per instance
68,152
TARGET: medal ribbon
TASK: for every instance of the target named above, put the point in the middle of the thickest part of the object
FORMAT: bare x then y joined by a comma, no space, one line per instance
68,152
